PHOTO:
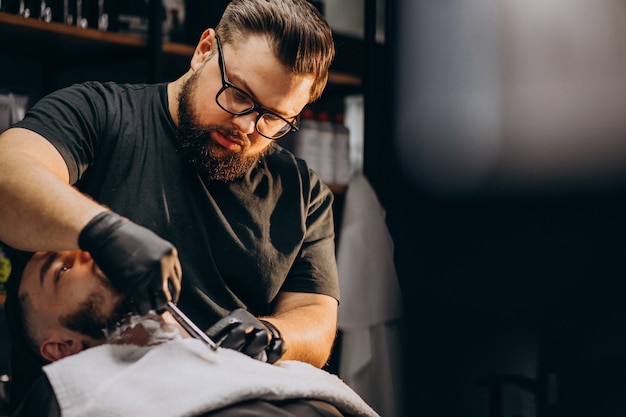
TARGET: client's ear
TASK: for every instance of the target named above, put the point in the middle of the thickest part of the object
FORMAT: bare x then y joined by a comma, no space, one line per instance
54,349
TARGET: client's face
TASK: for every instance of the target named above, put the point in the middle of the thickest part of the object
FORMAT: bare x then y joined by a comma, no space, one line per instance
67,290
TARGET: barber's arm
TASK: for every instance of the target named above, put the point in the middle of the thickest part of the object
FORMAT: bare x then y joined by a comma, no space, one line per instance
303,328
40,210
308,324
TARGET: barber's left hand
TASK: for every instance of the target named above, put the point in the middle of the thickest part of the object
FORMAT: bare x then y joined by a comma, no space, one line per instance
244,332
136,260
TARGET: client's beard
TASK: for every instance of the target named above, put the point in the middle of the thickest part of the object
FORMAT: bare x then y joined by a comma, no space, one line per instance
210,160
90,320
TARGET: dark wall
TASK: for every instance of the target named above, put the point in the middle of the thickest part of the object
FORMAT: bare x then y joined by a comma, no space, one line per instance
200,15
500,278
530,286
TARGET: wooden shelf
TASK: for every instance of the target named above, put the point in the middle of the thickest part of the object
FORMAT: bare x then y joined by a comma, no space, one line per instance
69,45
344,79
24,30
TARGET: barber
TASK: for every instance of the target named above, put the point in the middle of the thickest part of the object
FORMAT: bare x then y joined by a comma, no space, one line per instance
187,179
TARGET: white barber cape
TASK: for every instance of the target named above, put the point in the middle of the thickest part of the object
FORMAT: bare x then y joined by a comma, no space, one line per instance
184,378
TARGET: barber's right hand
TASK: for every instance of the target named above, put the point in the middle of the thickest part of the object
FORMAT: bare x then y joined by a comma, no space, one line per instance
136,260
248,334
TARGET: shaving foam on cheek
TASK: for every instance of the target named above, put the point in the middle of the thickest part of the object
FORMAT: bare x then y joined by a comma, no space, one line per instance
145,330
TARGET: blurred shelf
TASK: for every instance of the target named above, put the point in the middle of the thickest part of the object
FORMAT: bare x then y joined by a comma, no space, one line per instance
344,79
68,45
28,31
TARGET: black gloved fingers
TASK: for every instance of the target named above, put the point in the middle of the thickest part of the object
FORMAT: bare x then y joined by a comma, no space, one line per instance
238,331
246,333
143,305
276,348
171,275
136,260
256,342
169,288
173,283
158,302
275,351
245,338
222,327
235,339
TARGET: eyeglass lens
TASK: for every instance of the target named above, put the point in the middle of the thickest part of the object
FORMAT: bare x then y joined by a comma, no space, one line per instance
237,102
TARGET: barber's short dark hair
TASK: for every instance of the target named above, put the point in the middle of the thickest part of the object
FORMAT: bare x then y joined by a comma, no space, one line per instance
298,34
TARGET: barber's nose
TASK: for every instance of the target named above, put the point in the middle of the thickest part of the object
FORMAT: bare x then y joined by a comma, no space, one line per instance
245,123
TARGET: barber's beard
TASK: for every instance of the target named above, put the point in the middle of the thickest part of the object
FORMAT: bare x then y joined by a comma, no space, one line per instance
211,161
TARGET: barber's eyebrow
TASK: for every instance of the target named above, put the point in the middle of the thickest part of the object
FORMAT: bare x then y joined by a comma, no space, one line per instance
246,89
46,266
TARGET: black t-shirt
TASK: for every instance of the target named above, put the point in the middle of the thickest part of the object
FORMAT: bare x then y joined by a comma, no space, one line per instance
240,242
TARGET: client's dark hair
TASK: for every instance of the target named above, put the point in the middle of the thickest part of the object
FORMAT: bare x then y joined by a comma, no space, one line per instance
14,307
86,319
25,363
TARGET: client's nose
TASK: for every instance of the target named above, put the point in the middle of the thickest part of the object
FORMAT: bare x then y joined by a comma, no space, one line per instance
84,256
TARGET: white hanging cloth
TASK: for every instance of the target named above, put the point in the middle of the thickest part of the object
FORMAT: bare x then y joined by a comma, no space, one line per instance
371,308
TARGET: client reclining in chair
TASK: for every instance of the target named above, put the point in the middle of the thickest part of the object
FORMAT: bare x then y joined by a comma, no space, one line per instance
103,360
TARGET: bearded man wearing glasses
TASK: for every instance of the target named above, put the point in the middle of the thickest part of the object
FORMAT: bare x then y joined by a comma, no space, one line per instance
187,179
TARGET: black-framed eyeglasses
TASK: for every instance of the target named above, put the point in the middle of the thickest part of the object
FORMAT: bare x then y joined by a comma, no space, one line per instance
237,102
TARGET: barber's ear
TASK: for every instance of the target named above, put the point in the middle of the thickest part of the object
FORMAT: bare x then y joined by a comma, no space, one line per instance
55,349
203,49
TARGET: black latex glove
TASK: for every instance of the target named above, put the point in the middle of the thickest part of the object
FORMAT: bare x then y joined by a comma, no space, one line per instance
136,260
244,332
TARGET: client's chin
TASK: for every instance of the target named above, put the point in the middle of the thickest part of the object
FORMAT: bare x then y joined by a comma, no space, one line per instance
151,329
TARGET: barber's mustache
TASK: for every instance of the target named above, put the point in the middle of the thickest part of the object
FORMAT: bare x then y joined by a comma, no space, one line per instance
231,133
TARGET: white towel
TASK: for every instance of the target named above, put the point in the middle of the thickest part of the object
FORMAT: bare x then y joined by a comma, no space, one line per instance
185,378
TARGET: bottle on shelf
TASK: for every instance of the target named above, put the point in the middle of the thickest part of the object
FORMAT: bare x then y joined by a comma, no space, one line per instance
325,142
341,151
305,143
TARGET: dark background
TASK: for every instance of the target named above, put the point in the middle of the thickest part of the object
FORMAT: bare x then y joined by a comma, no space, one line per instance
517,287
521,285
